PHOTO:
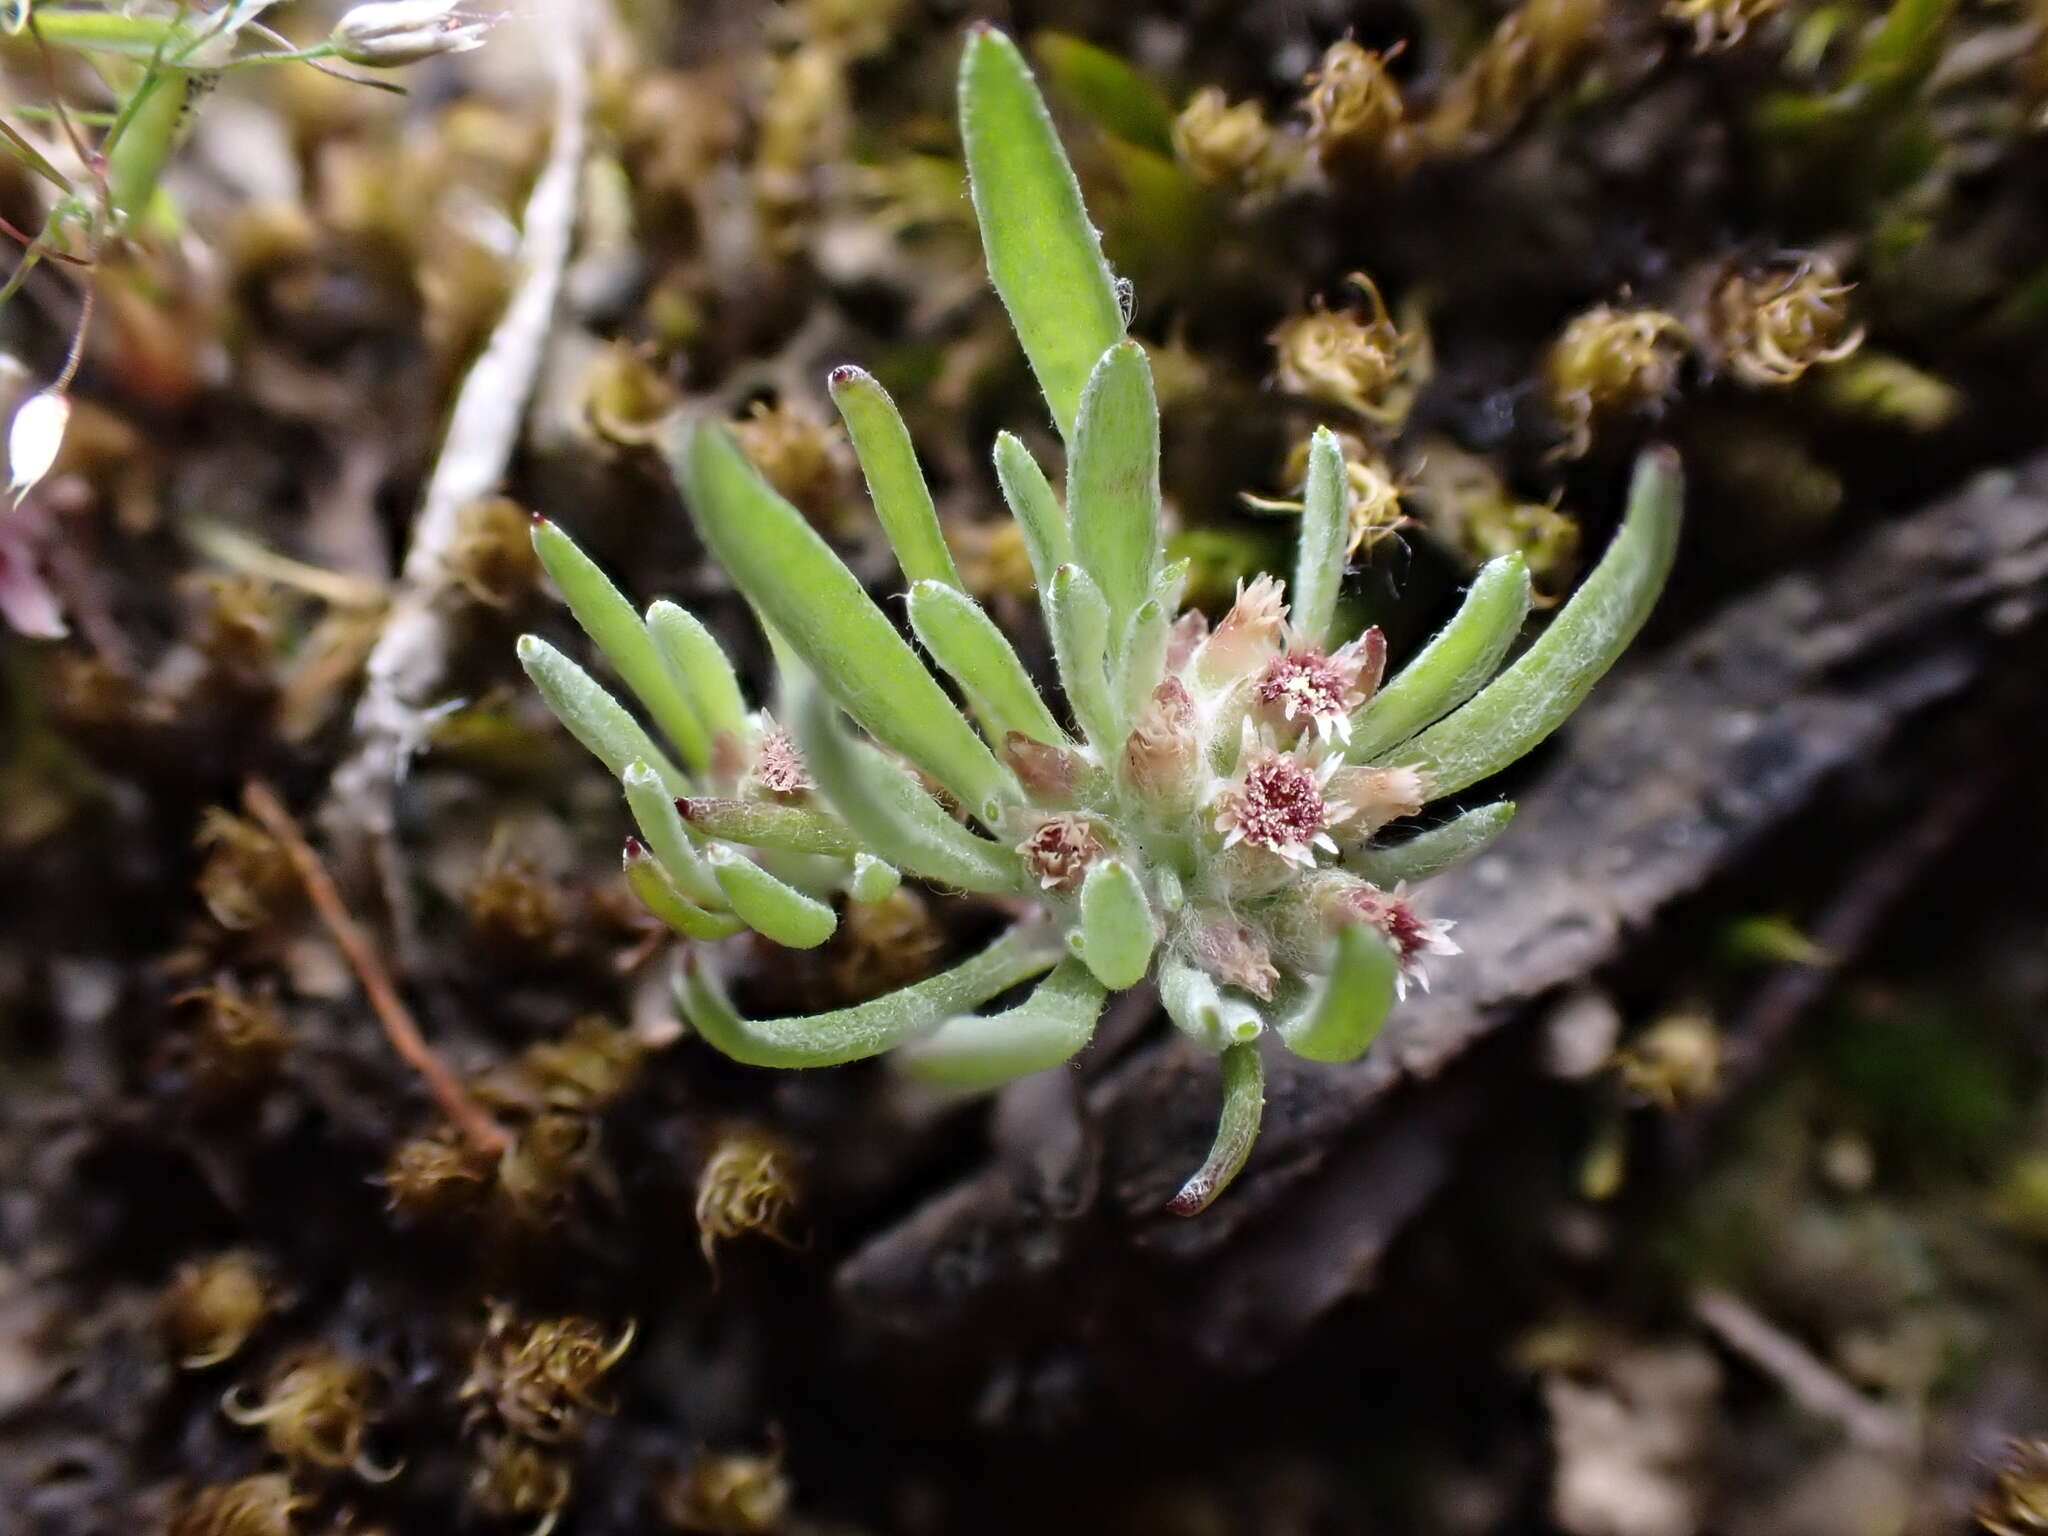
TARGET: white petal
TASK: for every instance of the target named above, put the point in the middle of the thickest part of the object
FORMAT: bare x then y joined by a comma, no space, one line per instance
34,438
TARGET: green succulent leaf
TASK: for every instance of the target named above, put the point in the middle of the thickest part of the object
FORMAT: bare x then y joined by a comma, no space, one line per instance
870,1028
817,607
1121,100
1141,666
1535,695
1325,531
661,828
890,812
1204,1012
1244,1105
965,641
1113,481
1433,852
700,664
977,1052
1079,620
1347,1008
659,896
769,906
872,880
1117,931
593,716
895,483
1454,665
609,620
1035,506
769,824
1044,257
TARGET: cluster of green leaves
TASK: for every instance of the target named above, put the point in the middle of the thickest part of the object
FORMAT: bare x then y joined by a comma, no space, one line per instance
1103,826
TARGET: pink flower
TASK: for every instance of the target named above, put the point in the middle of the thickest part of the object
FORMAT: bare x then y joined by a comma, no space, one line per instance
1303,684
1059,851
1275,801
1412,935
778,766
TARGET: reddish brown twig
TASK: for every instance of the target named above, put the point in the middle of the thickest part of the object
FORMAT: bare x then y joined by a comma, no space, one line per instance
455,1101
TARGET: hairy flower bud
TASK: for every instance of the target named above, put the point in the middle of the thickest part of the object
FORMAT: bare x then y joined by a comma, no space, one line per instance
1233,953
1162,752
1050,775
388,33
1369,798
1250,633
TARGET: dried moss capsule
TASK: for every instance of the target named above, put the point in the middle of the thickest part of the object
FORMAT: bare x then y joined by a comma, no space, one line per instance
512,905
213,1306
749,1184
1356,118
1720,24
492,556
1536,50
238,1045
517,1480
727,1495
1359,359
882,945
1674,1063
1232,147
255,1506
554,1151
1770,326
805,458
247,881
539,1378
315,1412
1609,362
436,1176
239,629
2017,1504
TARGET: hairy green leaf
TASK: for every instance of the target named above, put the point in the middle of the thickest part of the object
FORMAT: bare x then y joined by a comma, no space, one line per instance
1113,481
964,641
853,1034
700,664
661,828
1244,1105
889,811
1454,665
1203,1011
593,716
769,824
1044,257
1036,508
769,906
1347,1009
659,896
815,605
1117,931
895,483
1325,531
1079,621
977,1052
1436,850
1535,695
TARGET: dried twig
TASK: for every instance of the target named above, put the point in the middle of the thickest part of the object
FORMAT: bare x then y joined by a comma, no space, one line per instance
447,1089
1803,1374
406,667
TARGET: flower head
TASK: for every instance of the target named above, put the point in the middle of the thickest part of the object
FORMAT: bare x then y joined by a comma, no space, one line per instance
1059,851
778,766
1304,687
388,33
1275,802
1413,936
